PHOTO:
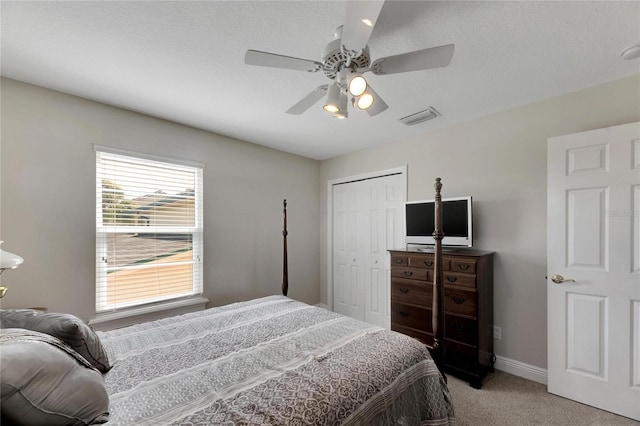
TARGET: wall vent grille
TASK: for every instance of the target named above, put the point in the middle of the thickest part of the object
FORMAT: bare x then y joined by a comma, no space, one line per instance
420,117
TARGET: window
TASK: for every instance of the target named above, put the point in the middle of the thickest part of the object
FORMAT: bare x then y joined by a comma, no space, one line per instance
148,229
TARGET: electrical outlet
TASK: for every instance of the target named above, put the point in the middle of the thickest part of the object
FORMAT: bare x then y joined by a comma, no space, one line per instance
497,332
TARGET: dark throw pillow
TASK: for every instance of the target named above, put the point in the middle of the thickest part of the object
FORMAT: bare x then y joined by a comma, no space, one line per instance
68,328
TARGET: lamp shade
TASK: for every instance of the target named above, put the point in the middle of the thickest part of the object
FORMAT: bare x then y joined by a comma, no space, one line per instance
9,260
357,85
342,112
364,101
333,99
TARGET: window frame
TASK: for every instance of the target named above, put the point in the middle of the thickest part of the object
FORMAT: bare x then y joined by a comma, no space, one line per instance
102,231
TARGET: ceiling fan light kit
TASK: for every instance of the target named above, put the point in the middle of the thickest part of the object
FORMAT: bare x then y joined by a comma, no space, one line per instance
342,109
333,99
364,101
347,58
357,84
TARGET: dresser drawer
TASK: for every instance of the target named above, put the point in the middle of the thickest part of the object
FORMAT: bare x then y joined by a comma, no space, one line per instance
403,291
399,261
460,356
460,302
410,273
411,316
421,262
427,262
463,280
426,338
461,329
463,265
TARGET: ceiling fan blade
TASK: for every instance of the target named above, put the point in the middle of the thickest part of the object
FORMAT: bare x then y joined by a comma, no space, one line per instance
432,57
359,21
266,59
308,101
378,104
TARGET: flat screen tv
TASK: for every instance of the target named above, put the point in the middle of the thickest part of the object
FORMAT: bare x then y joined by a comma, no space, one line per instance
457,222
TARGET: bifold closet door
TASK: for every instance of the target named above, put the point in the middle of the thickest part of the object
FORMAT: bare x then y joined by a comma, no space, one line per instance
367,221
348,240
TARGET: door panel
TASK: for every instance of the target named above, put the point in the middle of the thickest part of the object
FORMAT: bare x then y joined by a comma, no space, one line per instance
376,305
587,227
373,225
635,232
593,235
346,274
635,354
385,203
586,326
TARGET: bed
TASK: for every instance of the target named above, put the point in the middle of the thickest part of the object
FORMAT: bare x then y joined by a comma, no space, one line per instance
268,361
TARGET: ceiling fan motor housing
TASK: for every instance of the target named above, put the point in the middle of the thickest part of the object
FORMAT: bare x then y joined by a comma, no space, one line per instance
334,59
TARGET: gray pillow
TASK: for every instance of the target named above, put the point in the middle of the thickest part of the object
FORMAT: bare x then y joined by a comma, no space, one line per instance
45,382
68,328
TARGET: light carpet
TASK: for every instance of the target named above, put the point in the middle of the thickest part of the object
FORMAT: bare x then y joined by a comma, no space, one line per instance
506,399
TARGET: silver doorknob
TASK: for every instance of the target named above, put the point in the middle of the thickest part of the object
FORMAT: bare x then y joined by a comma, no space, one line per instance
558,279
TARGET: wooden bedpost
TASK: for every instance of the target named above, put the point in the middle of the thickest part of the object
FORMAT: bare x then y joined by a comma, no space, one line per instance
438,283
285,266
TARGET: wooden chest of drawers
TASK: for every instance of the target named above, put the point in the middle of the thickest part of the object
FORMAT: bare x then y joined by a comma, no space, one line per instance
468,301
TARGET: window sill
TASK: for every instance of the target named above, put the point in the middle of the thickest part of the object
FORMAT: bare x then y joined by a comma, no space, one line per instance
111,320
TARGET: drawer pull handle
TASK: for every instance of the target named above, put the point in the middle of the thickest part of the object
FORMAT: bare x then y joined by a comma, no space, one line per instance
404,313
452,279
399,261
458,299
408,273
428,262
463,266
457,326
403,290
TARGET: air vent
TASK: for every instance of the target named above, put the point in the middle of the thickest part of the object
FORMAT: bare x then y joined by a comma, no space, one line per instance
419,117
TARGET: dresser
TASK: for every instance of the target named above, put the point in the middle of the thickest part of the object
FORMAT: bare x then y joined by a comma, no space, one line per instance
468,306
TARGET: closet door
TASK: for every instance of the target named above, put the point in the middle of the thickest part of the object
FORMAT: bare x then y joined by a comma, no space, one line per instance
384,211
367,221
349,234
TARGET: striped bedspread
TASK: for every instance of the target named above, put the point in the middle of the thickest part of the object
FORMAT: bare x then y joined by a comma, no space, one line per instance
270,361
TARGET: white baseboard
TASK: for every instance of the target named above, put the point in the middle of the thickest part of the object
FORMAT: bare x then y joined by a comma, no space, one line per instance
322,305
521,369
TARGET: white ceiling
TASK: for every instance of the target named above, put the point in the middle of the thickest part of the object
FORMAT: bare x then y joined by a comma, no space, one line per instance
184,61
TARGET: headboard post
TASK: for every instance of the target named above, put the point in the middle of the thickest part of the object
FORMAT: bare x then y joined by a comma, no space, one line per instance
438,282
285,266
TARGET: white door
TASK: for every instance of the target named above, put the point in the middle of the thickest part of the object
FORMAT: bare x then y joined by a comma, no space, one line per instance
367,221
385,219
348,240
593,237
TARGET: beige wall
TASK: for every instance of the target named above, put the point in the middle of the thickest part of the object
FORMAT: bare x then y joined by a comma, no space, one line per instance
48,198
500,160
48,201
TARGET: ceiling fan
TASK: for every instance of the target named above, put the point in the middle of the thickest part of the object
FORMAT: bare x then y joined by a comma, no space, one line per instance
345,61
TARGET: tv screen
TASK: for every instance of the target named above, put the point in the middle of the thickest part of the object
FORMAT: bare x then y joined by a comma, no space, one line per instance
456,222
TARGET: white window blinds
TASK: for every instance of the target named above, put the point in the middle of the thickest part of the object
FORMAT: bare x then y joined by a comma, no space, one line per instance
148,230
